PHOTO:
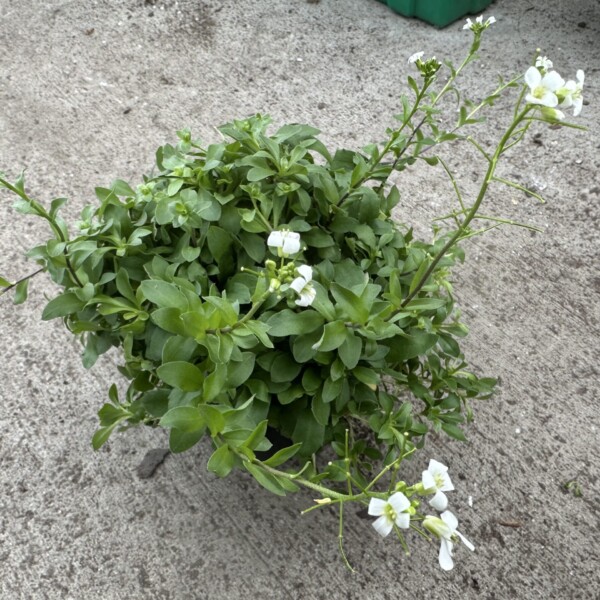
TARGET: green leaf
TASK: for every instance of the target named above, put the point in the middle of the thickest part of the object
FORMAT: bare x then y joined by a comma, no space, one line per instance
61,306
257,435
259,173
238,372
21,292
180,441
101,435
418,275
282,455
164,294
425,304
350,303
321,410
406,346
213,417
288,322
367,376
454,431
221,461
260,330
185,418
215,383
169,319
334,335
331,390
178,348
284,369
181,375
308,432
351,350
265,479
219,242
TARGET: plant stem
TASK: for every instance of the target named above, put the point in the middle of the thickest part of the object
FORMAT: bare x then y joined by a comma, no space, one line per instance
16,283
473,211
41,211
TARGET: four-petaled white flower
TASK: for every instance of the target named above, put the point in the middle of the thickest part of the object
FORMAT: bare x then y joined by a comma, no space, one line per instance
479,25
303,287
542,90
415,57
543,62
287,242
572,93
390,513
445,529
436,479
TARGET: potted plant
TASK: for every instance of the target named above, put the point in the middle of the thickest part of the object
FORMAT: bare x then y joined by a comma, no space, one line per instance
261,284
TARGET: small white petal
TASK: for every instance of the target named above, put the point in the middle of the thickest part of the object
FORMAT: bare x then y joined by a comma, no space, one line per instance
399,502
436,466
291,242
465,541
377,507
415,57
577,105
533,77
445,556
490,21
439,501
450,520
383,526
298,284
552,81
548,99
307,296
468,24
428,481
403,520
305,271
275,239
580,77
479,19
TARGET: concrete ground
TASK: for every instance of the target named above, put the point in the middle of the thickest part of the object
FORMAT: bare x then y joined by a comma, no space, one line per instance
88,90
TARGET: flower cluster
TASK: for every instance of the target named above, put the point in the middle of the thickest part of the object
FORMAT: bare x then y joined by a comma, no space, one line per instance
478,26
549,90
395,512
287,243
428,68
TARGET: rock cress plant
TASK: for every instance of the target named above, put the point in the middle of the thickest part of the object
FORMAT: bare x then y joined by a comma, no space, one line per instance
261,283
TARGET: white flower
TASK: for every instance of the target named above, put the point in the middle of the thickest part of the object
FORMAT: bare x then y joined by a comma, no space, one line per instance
572,93
303,287
436,480
542,90
543,62
390,513
479,25
445,529
287,242
415,57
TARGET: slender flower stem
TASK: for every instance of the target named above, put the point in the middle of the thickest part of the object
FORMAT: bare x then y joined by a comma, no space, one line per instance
386,149
473,211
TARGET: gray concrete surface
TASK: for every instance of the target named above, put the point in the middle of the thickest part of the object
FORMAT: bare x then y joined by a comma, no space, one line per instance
88,90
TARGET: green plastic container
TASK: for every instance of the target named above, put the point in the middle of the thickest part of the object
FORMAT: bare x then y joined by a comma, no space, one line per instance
437,12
